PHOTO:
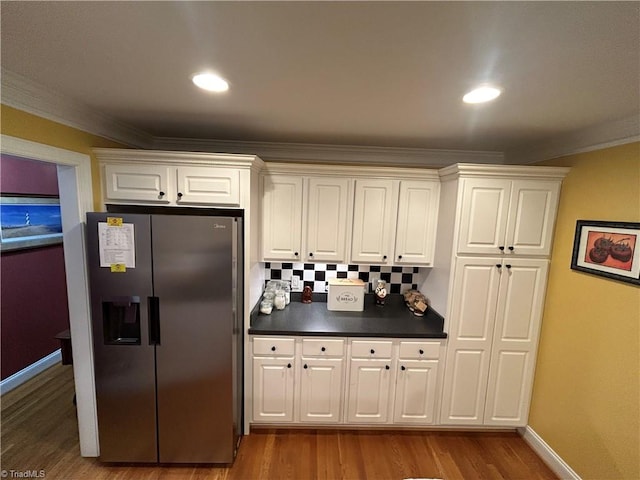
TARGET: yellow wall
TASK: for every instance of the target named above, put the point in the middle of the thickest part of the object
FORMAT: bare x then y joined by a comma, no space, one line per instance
586,402
17,123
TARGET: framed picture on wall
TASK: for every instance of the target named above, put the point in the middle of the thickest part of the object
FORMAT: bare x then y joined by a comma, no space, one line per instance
29,222
608,249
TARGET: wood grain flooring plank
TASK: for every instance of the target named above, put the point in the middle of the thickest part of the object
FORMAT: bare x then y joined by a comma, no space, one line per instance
40,432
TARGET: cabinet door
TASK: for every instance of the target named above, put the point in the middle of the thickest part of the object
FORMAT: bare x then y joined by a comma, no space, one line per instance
282,217
417,219
532,216
483,216
369,383
327,219
415,391
518,318
472,317
321,390
374,221
147,183
272,390
208,186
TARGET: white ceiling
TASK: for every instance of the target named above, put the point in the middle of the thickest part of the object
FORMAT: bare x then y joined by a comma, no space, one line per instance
388,74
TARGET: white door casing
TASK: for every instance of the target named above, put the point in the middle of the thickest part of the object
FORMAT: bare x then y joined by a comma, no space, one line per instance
76,199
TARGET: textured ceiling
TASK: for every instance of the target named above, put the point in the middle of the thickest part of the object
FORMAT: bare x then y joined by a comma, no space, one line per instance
343,73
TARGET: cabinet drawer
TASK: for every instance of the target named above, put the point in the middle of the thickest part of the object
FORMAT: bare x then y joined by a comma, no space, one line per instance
419,350
371,349
318,347
273,346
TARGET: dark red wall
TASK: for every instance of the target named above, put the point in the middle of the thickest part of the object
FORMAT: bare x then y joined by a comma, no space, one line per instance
27,177
33,291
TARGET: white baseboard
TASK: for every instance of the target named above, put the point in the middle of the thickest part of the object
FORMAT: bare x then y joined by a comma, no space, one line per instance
548,455
29,372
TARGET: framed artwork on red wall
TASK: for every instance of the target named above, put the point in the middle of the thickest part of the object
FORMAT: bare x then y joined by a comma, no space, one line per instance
608,249
29,222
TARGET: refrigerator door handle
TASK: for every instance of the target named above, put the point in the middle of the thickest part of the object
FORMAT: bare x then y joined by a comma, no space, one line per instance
154,320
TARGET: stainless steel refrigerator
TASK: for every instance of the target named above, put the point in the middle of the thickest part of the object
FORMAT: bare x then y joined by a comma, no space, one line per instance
166,295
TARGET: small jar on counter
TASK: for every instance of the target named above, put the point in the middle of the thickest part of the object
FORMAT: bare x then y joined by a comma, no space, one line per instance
269,295
280,300
286,286
266,306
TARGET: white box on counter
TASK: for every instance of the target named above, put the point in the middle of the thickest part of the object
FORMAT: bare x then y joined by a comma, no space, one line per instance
346,295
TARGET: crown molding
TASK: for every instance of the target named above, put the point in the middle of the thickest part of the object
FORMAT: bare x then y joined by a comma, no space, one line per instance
157,157
350,171
611,134
334,154
23,94
470,170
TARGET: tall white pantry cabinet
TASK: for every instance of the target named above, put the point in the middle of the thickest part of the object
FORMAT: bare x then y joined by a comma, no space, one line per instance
493,246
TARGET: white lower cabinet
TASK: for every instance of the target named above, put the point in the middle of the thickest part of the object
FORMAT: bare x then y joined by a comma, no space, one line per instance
416,382
369,385
273,382
493,339
370,379
321,380
312,380
273,390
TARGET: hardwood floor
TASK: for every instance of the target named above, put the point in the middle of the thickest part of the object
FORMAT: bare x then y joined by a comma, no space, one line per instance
40,433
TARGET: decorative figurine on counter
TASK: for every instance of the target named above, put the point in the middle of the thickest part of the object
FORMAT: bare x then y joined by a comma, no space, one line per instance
381,292
307,294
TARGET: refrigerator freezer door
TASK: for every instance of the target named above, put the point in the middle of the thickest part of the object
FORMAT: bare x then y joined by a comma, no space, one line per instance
193,275
124,360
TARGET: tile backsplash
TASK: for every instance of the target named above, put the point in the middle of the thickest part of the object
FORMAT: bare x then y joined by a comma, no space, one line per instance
315,275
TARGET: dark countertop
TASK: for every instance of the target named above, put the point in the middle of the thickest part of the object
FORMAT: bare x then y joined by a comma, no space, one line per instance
393,319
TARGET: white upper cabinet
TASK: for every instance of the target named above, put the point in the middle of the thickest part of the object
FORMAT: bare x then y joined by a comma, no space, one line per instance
532,216
327,214
153,177
374,221
147,183
282,217
167,185
375,215
507,216
208,185
417,219
305,219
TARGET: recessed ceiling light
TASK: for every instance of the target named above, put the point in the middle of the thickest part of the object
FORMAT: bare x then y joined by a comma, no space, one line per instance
482,94
210,82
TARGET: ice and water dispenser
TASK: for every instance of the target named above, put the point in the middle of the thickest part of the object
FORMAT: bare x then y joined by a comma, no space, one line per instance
121,320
